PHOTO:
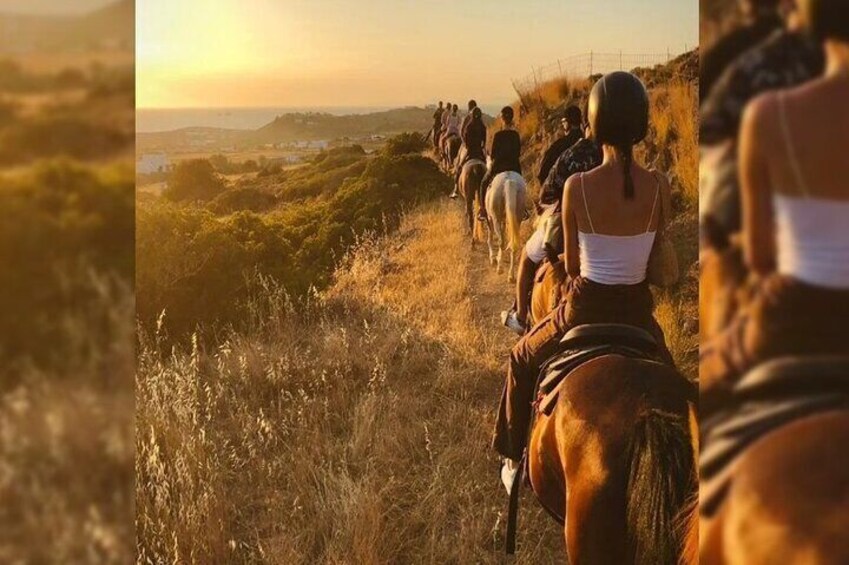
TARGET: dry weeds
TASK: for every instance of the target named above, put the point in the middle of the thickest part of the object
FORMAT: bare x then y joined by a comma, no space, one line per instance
355,431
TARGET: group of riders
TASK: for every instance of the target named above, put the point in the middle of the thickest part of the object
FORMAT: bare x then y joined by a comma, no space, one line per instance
774,129
600,212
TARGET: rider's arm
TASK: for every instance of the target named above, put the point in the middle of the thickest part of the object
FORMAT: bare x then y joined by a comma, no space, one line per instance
758,229
570,229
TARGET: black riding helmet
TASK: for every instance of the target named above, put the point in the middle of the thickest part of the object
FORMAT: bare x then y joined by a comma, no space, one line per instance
619,116
619,110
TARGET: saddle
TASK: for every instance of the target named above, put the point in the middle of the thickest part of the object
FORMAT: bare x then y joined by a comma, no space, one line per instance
586,342
579,345
771,396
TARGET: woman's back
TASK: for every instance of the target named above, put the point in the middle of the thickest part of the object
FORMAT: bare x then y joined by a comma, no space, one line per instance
803,134
616,233
807,140
607,209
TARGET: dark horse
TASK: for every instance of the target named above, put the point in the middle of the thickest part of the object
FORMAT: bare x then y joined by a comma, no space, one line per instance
787,502
620,437
548,289
450,149
470,180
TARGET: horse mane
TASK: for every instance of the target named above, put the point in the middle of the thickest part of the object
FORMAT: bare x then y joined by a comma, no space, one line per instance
659,486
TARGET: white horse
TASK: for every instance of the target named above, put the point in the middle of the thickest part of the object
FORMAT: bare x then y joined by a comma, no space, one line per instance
505,201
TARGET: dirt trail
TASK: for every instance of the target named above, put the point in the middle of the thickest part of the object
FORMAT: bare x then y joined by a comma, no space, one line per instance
449,294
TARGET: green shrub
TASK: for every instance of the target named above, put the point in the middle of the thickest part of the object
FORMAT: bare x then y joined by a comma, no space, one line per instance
67,232
194,266
58,136
193,180
404,143
242,198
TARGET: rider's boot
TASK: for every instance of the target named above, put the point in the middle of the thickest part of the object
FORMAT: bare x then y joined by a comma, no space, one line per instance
508,473
511,321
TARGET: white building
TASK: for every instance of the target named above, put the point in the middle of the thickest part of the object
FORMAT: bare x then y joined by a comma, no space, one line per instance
152,163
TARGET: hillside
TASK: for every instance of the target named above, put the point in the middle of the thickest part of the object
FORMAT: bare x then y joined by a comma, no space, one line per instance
313,126
351,423
355,430
295,127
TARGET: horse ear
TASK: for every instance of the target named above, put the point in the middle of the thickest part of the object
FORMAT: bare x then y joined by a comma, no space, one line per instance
714,235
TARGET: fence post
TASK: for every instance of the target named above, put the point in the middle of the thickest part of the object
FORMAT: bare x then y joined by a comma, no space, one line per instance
560,68
620,60
591,63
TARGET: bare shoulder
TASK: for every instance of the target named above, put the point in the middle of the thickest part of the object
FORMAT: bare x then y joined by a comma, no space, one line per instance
572,186
760,115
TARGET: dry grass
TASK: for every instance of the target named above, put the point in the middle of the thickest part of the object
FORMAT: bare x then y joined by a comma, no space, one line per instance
356,431
673,138
67,447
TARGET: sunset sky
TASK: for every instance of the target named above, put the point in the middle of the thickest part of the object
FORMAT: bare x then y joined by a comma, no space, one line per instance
232,53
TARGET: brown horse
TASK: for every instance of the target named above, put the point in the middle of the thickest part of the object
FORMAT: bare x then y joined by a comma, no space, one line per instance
615,463
547,290
470,182
450,149
790,490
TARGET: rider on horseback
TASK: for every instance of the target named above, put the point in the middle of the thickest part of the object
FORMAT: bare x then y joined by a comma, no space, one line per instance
572,133
581,156
473,134
609,234
452,123
505,153
786,58
795,203
760,19
437,124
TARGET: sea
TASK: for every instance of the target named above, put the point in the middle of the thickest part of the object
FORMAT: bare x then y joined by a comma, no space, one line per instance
150,120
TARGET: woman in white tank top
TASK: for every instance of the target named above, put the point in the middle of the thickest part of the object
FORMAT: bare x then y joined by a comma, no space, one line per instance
611,218
795,203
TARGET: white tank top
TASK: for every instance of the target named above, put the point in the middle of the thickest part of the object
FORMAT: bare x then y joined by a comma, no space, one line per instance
615,259
812,234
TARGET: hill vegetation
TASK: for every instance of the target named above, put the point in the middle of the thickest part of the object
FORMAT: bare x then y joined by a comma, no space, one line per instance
66,307
196,262
349,422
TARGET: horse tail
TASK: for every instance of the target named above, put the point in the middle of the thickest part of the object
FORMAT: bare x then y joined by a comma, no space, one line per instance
659,484
479,171
514,195
689,519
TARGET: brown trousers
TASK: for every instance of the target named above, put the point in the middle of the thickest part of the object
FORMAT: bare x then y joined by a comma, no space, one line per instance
585,302
785,317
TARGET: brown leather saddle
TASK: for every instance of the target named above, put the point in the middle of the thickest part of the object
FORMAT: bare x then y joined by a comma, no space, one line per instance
579,345
769,397
586,342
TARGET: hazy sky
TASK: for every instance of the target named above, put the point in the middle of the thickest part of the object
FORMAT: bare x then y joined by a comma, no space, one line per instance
51,6
202,53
